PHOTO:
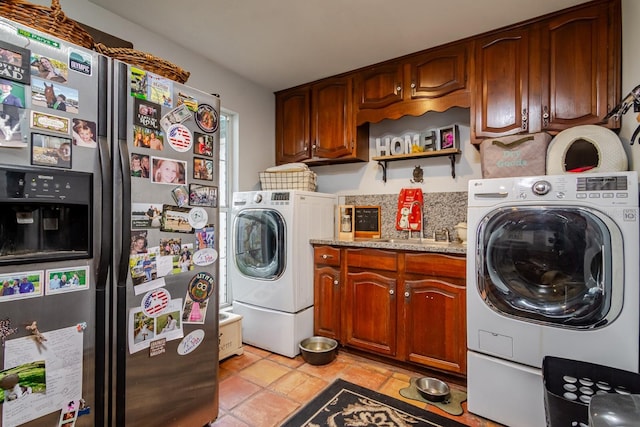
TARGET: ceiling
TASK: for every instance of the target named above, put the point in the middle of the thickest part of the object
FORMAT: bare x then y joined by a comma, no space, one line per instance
282,43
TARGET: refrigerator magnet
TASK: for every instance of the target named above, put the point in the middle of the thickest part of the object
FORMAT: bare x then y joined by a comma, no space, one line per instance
52,95
203,145
24,284
180,138
175,219
84,132
168,171
190,342
207,118
202,169
49,150
138,82
189,101
194,312
14,63
48,122
206,256
155,302
6,330
80,62
198,217
146,114
49,68
201,286
160,90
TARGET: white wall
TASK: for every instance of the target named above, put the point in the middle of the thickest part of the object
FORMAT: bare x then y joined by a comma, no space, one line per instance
254,104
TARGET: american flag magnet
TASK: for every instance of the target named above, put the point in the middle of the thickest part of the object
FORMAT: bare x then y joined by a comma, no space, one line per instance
155,302
180,138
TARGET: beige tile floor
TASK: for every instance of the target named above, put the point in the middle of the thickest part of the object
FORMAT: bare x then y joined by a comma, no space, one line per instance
262,389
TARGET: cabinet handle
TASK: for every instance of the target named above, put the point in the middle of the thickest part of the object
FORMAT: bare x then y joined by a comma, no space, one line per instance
399,88
325,256
407,294
413,85
525,119
336,282
391,292
545,116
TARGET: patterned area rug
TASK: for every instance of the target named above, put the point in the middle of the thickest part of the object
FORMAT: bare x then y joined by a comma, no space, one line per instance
344,404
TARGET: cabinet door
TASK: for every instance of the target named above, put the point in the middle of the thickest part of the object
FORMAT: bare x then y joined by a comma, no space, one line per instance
380,86
292,126
327,299
502,84
438,72
370,312
332,121
576,68
434,313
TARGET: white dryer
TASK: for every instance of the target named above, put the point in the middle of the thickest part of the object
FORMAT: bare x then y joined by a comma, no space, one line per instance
272,264
552,269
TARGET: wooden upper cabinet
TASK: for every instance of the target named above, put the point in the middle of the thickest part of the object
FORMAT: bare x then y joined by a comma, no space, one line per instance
433,80
578,68
292,126
381,85
332,127
502,84
315,123
438,72
549,75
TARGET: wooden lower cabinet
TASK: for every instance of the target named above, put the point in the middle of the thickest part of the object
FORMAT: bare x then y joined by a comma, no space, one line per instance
409,306
434,329
326,291
370,316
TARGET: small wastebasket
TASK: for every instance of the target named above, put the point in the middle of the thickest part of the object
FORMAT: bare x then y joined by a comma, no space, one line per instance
569,386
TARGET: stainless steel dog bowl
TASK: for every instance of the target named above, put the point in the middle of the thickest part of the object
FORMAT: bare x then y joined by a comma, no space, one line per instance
433,389
318,350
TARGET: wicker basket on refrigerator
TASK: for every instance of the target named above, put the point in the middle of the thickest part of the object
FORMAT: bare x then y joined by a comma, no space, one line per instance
50,20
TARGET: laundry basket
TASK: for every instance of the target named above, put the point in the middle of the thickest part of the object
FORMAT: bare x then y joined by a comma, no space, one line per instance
570,384
295,180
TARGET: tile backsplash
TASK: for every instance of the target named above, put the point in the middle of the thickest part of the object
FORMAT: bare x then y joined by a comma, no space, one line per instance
440,211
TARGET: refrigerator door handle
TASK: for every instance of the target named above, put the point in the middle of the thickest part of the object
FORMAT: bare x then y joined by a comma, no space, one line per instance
106,175
125,196
126,213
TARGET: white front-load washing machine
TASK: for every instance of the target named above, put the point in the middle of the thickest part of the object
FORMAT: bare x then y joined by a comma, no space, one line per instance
552,270
272,264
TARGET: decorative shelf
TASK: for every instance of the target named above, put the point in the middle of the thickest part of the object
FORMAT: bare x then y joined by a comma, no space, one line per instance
450,152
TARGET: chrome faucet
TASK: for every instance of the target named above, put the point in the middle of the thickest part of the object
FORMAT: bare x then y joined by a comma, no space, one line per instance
446,234
415,202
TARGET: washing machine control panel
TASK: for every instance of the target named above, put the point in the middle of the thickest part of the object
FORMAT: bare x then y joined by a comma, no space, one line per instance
280,197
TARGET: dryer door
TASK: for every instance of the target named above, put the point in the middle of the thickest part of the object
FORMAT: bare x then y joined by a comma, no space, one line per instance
560,266
259,243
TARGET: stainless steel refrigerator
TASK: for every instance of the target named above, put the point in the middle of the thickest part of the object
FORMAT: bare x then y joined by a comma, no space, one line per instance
99,325
168,208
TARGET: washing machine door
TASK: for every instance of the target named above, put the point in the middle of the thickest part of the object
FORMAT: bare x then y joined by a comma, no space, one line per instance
560,266
259,243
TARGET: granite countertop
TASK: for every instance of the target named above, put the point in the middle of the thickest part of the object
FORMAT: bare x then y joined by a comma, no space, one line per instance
396,244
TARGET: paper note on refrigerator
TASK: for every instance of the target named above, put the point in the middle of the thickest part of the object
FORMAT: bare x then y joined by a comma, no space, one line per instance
62,356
